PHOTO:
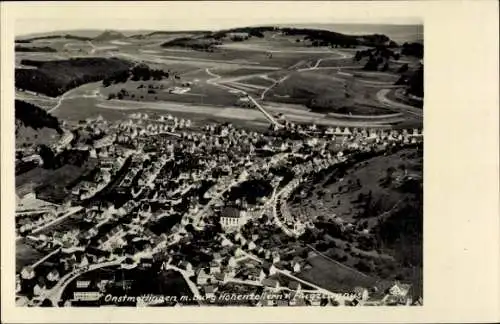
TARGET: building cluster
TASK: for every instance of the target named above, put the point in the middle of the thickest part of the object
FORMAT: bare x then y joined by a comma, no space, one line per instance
161,180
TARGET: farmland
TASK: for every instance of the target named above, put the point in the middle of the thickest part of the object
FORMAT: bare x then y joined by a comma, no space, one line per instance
286,69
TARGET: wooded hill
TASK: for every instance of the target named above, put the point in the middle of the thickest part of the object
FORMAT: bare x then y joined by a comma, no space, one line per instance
35,117
54,78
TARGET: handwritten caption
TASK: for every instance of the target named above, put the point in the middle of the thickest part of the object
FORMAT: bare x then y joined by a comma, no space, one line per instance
212,298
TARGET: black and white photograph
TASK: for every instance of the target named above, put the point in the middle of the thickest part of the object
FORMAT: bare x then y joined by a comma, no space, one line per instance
259,164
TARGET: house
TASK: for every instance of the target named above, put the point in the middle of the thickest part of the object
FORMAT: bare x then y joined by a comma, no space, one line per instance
399,289
202,277
28,273
361,293
238,252
269,268
217,257
53,275
232,218
271,283
214,267
251,246
38,290
296,266
276,257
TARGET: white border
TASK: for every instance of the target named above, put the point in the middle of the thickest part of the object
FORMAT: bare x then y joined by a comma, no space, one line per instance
461,281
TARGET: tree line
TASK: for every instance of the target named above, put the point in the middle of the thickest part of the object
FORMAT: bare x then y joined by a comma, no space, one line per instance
54,78
47,49
35,117
137,73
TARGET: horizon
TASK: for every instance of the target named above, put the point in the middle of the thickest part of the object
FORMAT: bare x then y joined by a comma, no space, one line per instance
180,29
184,15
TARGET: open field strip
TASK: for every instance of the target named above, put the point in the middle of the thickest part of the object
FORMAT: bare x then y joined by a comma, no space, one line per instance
248,85
228,112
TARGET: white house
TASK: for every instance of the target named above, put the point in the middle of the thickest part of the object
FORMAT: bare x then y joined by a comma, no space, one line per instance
28,273
53,275
232,262
232,218
361,293
296,267
214,267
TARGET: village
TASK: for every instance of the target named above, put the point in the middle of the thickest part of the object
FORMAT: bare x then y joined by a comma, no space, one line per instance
169,196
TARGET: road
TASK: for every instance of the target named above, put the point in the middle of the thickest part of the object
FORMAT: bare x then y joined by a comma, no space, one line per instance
55,293
192,286
71,211
214,82
382,97
288,274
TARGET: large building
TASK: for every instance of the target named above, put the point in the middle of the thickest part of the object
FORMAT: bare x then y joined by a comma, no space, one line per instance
233,218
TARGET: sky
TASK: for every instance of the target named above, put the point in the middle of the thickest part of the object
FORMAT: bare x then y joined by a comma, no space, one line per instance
32,17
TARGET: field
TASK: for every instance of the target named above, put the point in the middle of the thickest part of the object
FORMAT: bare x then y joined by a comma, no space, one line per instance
51,184
313,79
339,197
333,276
198,92
27,136
25,255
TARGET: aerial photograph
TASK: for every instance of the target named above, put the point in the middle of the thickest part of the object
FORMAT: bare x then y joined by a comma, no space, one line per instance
254,165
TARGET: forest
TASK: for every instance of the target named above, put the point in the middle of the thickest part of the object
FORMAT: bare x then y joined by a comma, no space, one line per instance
54,78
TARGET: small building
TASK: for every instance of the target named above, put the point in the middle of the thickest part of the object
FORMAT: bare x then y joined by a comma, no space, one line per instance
38,289
361,293
28,273
53,275
232,262
399,289
276,257
271,283
251,246
296,267
217,257
202,277
214,267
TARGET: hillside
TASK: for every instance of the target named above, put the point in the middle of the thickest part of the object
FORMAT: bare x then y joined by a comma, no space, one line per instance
109,35
56,36
32,116
381,197
315,36
414,81
54,78
34,126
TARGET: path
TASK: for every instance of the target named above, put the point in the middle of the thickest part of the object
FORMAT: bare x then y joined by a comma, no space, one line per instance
257,105
382,97
71,211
